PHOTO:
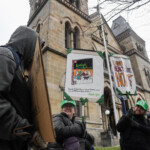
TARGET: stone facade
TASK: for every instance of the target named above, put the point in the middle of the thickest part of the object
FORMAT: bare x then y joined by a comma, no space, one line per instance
49,18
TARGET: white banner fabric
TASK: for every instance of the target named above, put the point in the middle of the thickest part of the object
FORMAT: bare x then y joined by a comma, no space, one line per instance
123,74
84,75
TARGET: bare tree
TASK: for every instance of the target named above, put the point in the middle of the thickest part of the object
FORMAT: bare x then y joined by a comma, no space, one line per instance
111,8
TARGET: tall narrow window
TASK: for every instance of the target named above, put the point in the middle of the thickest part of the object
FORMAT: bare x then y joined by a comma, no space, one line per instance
67,35
38,29
86,110
77,4
78,109
71,1
76,38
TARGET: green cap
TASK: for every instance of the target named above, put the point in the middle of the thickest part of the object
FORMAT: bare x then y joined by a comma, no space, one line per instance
68,102
143,104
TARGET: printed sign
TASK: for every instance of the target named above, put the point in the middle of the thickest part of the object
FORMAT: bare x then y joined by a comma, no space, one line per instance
123,74
84,75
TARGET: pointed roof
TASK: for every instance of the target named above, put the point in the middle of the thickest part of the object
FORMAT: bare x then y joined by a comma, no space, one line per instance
119,25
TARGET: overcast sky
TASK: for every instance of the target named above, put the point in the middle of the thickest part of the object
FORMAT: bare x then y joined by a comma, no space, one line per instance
14,13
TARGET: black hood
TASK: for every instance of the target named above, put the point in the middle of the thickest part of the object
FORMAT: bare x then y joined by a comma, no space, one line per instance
23,41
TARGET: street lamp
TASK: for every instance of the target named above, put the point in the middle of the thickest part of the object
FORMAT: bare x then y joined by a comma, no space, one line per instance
107,112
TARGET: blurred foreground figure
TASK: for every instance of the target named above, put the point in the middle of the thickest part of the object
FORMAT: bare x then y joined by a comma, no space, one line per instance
16,129
134,128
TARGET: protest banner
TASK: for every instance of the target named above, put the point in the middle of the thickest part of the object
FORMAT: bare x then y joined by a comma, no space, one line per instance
85,75
123,74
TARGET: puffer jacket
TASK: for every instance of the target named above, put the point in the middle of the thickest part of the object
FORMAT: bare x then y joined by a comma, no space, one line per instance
65,128
15,100
134,132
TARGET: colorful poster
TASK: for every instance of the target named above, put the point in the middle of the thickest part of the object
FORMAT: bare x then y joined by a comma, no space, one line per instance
84,75
123,74
82,71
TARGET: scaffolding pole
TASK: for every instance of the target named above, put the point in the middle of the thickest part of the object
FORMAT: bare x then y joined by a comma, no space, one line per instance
108,65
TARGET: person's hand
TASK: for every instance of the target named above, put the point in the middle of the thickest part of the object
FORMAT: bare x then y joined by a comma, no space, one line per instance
92,148
83,127
130,113
37,142
30,134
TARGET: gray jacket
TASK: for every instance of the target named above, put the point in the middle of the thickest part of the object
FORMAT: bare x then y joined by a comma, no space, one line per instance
15,101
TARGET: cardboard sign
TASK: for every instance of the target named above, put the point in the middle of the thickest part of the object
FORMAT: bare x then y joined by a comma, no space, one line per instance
84,75
123,74
41,103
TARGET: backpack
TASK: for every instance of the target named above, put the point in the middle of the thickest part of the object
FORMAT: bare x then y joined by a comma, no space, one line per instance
16,56
71,143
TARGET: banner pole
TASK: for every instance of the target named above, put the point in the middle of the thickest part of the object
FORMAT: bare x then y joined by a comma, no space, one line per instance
83,114
83,101
106,53
123,105
122,99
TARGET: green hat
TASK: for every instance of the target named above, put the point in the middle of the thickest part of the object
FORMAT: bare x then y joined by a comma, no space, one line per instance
68,102
143,104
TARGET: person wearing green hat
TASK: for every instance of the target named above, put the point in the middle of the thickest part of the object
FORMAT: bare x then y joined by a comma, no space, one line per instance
68,107
134,128
70,133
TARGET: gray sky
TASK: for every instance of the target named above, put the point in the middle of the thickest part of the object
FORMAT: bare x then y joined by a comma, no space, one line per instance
14,13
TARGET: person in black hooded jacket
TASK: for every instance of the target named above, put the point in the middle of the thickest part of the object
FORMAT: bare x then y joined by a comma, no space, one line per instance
70,133
15,100
134,128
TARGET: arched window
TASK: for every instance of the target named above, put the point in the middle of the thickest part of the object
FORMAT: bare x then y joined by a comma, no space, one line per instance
76,38
67,35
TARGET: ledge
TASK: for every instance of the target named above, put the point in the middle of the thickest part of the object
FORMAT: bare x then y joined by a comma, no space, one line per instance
134,51
76,10
53,51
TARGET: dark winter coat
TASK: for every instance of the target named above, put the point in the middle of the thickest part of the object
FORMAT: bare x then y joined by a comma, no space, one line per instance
65,128
134,132
15,101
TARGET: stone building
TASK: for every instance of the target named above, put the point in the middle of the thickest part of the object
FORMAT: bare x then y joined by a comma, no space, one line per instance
67,24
